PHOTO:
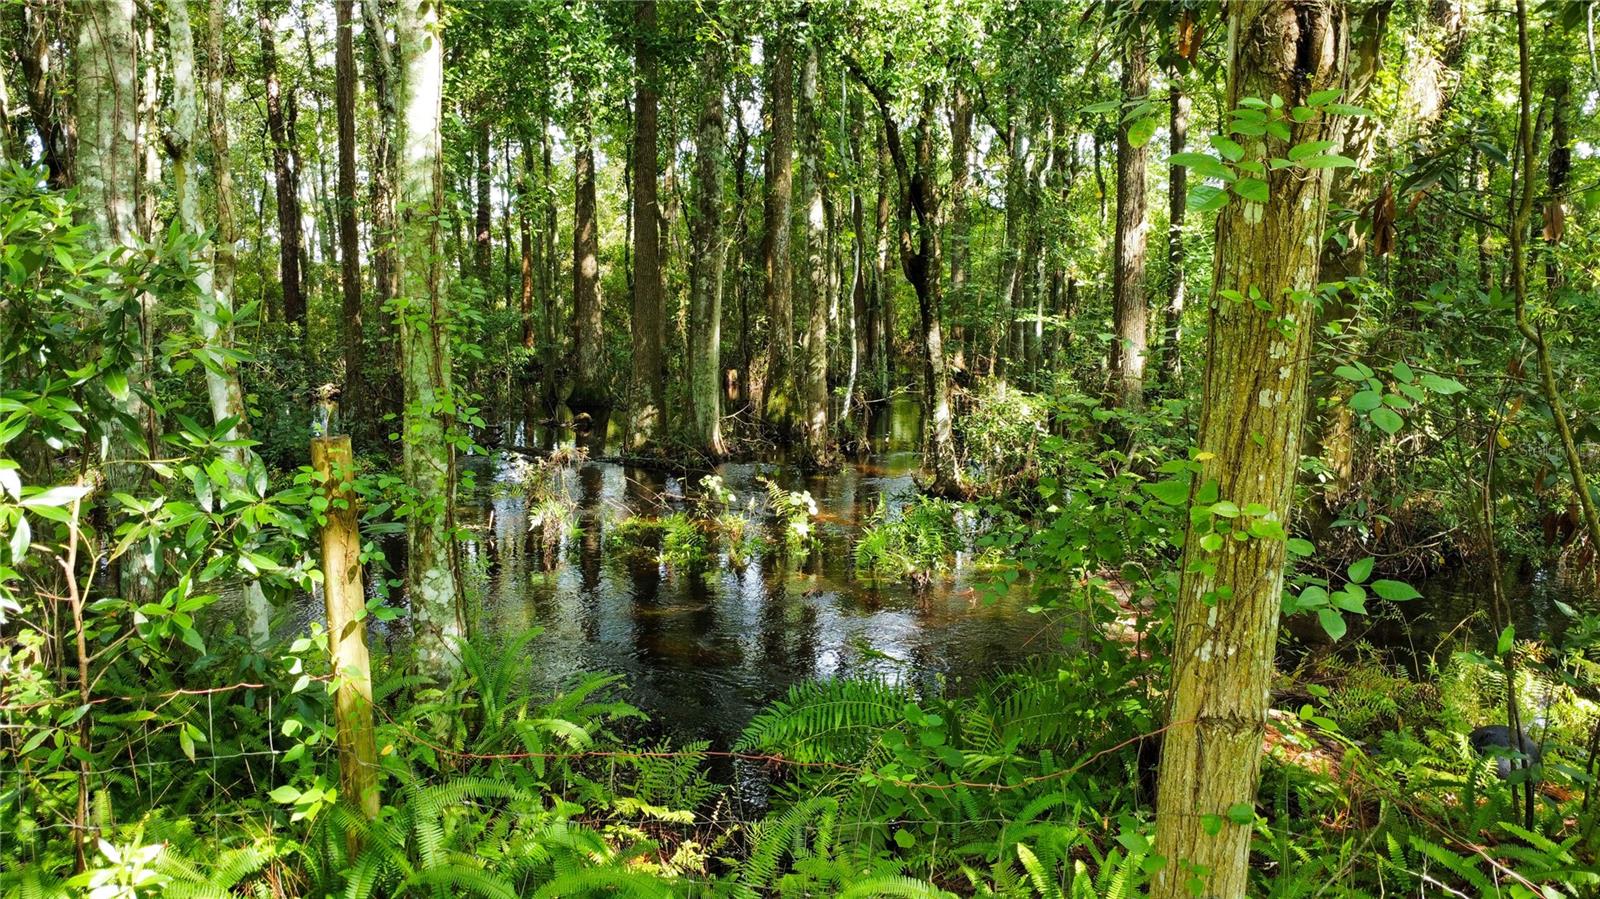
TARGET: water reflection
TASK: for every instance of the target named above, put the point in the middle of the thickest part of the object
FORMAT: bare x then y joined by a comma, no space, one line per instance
704,648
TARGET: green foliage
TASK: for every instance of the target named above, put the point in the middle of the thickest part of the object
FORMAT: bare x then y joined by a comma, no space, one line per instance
920,541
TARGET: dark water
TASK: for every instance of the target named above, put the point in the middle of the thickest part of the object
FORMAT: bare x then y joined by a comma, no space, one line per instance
703,649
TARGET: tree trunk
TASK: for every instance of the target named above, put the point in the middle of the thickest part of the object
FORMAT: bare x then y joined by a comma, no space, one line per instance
222,378
1177,191
780,398
355,384
40,66
921,260
648,423
106,176
1129,311
525,199
149,129
705,307
483,220
285,178
1226,621
960,181
432,584
883,296
813,379
588,337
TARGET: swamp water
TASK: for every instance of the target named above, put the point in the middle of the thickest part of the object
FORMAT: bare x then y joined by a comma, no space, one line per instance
704,647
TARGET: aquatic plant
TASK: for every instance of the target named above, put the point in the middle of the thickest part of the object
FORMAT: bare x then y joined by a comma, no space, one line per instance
916,542
796,514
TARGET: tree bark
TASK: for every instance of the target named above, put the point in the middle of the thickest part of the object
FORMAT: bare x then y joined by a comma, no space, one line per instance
285,178
813,380
483,219
106,175
355,385
525,198
432,583
705,307
1177,197
1253,407
921,260
588,337
960,182
649,324
216,313
39,37
780,394
1130,313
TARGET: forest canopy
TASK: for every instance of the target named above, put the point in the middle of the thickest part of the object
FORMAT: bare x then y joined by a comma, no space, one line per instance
775,448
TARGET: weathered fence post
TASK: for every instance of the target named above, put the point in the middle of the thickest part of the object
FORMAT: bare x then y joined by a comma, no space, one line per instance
347,628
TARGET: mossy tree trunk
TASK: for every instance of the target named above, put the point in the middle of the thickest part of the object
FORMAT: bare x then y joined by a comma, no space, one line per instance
216,328
813,376
1130,313
705,310
1257,354
779,395
648,413
588,337
429,457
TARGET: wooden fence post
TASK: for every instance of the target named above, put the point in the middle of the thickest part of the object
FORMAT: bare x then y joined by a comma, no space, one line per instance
347,628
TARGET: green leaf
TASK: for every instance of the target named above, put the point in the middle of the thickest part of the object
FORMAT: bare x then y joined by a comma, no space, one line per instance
1349,373
1205,198
1229,149
1332,622
1441,385
1331,161
117,385
1140,132
1395,591
1225,509
1309,148
1300,546
1241,813
1347,109
1173,492
1366,401
1211,542
1361,569
285,794
1201,164
1387,419
1508,638
904,838
1323,98
55,497
1403,372
1253,189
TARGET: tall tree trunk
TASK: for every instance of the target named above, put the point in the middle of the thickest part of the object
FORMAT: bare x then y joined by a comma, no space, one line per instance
507,214
813,377
285,178
106,175
355,385
483,220
525,198
552,271
38,26
922,262
960,182
860,335
1254,390
222,378
1177,191
883,298
326,212
705,306
649,299
1011,272
432,584
380,58
1130,313
780,394
149,129
588,337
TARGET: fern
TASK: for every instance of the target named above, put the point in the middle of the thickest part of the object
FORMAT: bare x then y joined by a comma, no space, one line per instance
893,886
